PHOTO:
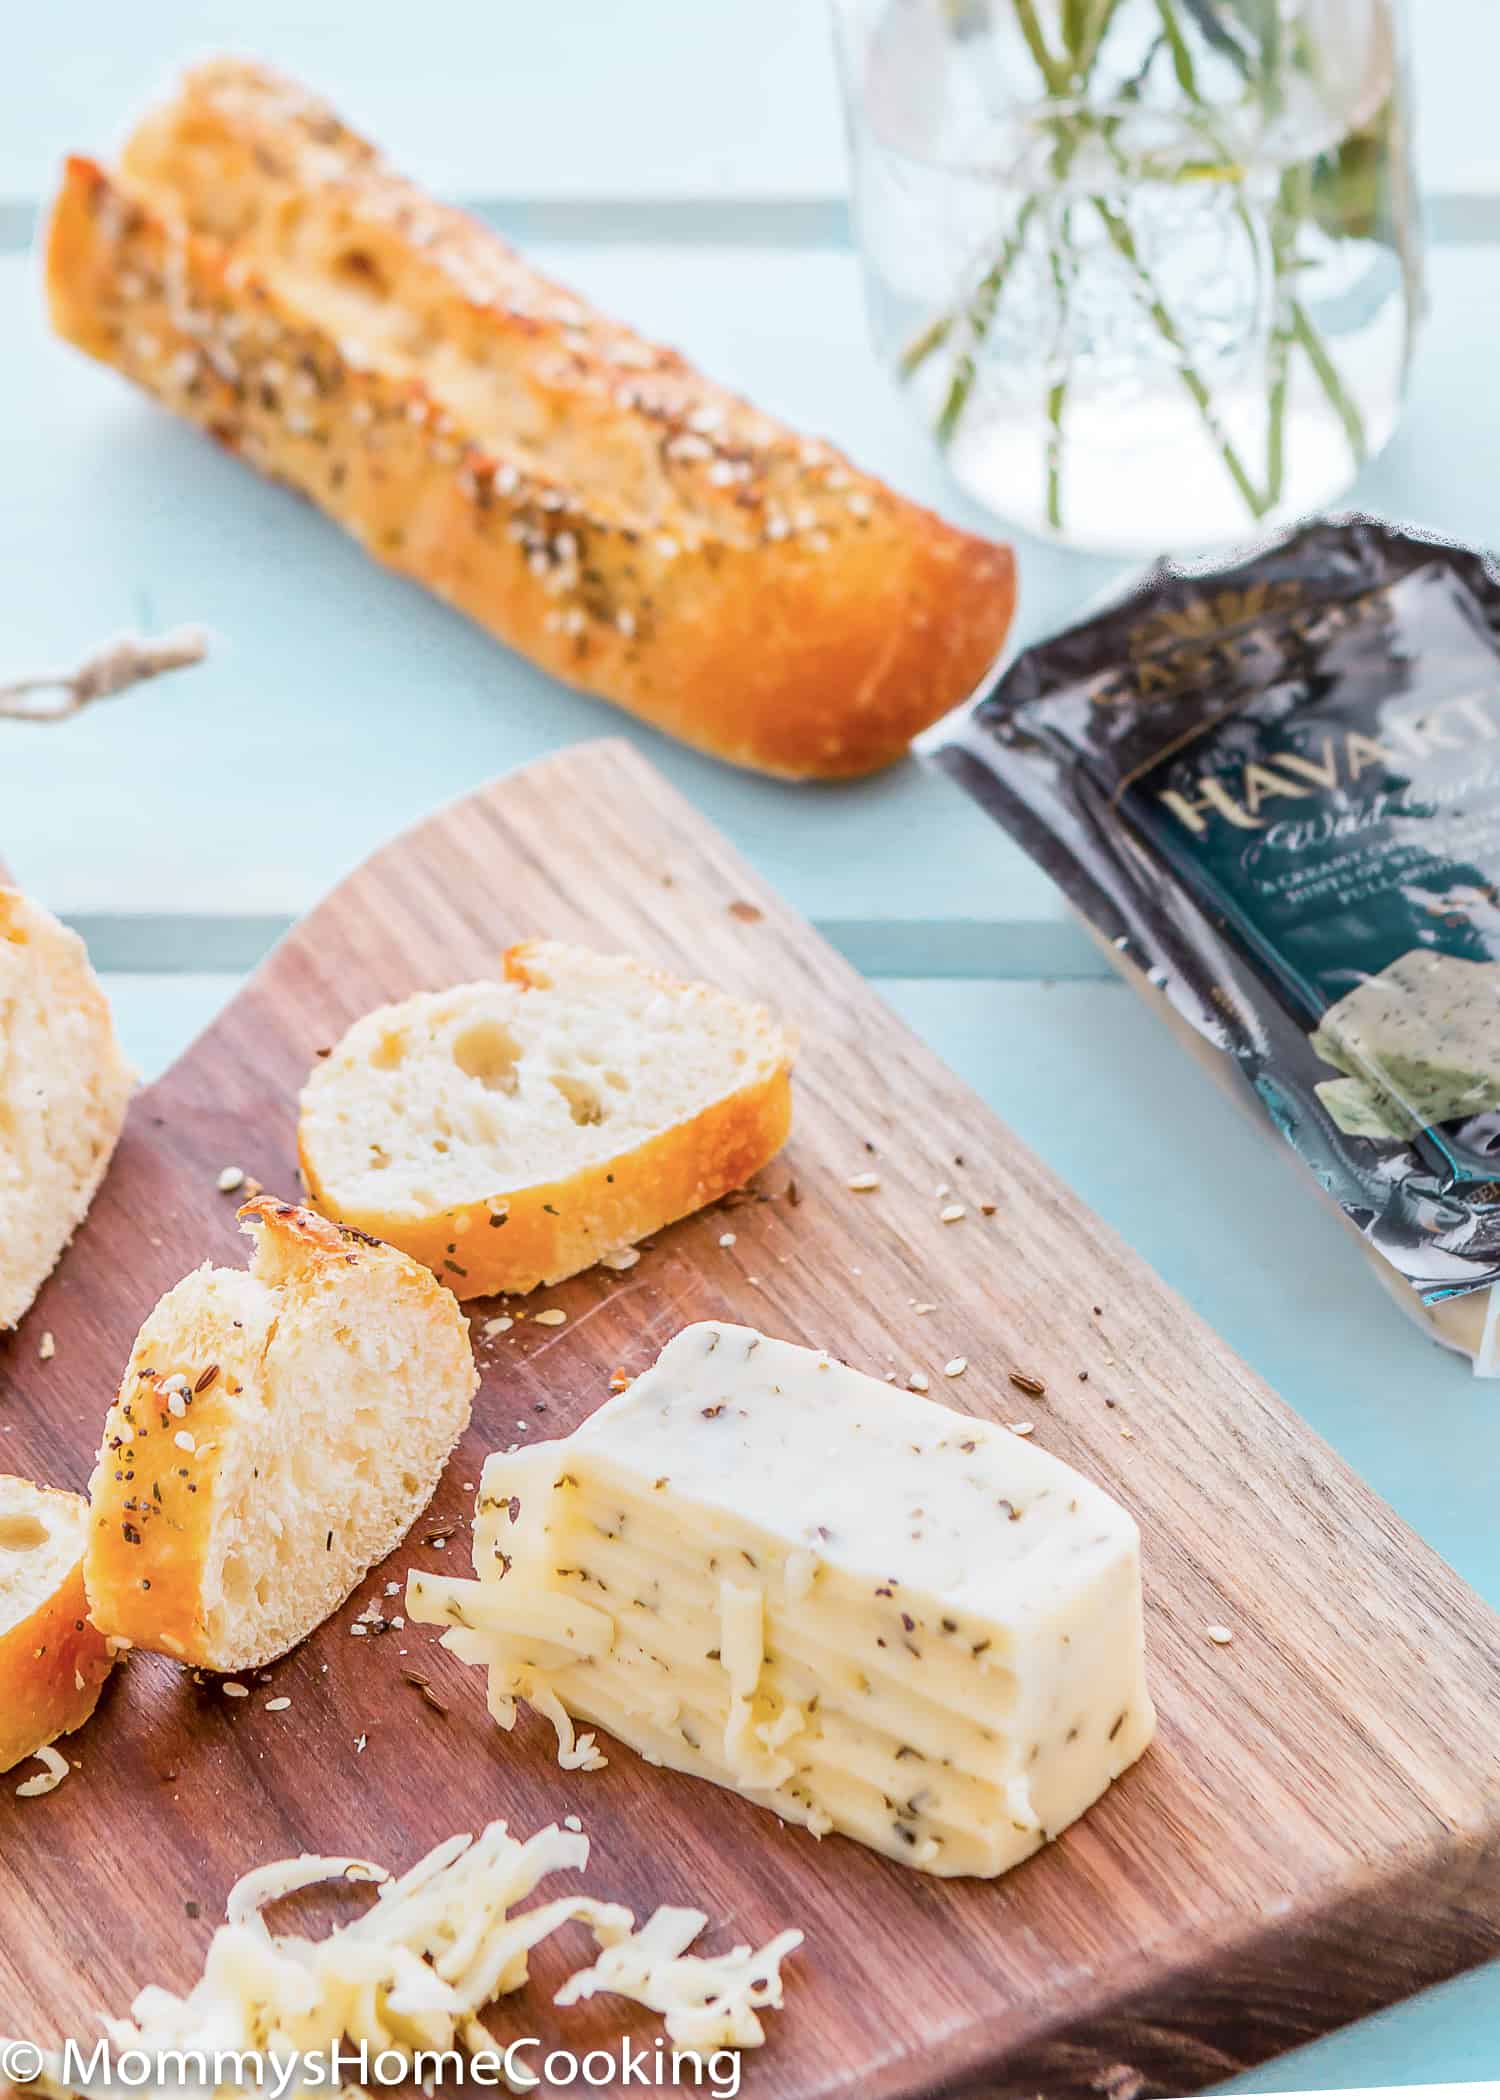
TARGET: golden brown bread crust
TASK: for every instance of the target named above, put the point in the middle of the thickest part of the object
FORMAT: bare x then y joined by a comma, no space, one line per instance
582,493
154,1503
52,1669
554,1229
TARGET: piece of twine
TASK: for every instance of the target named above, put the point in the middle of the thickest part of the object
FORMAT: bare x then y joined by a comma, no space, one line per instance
128,660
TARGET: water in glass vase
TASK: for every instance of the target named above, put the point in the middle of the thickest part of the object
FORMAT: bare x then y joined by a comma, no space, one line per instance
1137,323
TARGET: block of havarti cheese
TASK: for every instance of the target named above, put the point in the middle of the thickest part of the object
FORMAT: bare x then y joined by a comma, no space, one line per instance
858,1608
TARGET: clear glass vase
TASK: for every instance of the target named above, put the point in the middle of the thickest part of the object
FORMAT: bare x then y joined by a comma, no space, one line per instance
1148,270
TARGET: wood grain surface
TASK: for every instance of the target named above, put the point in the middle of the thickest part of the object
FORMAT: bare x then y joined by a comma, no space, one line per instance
1317,1829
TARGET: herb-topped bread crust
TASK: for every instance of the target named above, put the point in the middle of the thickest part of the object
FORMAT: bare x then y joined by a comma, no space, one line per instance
581,492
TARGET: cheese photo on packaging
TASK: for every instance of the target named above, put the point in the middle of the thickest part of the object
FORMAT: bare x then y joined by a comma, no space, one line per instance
1270,791
1421,1037
850,1604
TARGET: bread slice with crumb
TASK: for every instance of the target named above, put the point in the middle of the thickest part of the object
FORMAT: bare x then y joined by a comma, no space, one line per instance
276,1434
64,1089
53,1662
510,1133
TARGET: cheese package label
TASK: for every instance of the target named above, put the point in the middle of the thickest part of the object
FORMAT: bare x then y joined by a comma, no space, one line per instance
1273,790
856,1607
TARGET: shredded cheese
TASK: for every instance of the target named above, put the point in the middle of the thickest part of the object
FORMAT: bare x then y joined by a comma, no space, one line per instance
252,1892
575,1753
708,2002
45,1782
416,1969
523,1632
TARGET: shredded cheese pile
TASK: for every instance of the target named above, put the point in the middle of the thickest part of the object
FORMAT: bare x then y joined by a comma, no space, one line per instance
708,2002
415,1970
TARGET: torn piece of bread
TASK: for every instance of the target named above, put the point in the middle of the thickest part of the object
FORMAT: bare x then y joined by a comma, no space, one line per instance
64,1089
276,1434
581,492
509,1133
53,1662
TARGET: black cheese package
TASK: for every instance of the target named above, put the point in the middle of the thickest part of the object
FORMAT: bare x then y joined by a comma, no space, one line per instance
1272,790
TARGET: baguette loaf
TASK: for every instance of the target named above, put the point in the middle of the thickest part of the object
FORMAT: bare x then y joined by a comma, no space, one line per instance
64,1089
53,1662
579,491
276,1435
510,1133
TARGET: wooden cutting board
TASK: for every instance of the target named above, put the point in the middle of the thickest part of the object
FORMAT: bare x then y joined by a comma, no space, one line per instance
1317,1829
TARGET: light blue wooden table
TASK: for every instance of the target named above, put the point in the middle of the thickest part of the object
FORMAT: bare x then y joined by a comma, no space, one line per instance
682,165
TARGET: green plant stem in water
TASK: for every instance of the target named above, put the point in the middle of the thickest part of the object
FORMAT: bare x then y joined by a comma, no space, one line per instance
1281,231
921,346
1292,324
1344,407
1124,243
1052,70
986,298
1057,393
1056,400
1085,26
1292,327
980,314
1278,372
1182,58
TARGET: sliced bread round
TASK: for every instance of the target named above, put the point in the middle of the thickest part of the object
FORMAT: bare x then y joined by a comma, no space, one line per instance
53,1662
64,1088
509,1133
276,1434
